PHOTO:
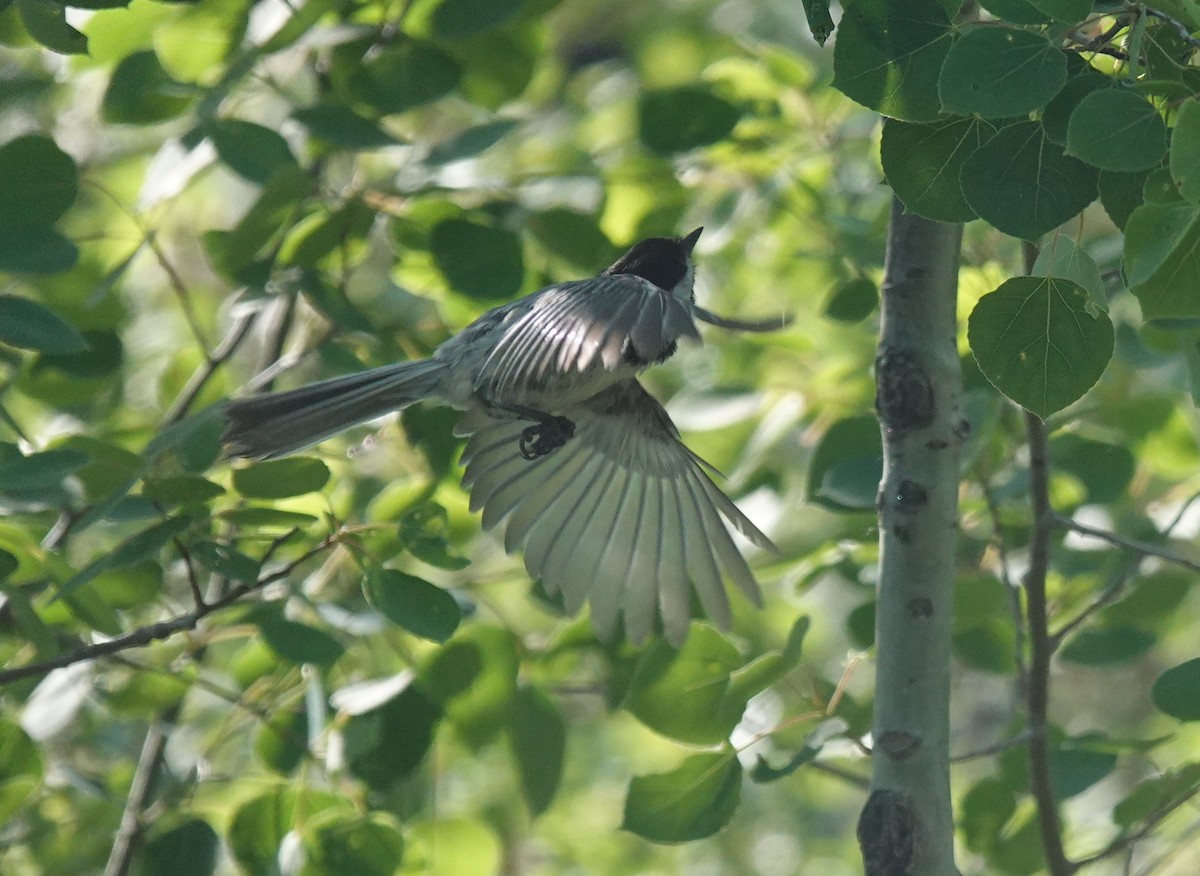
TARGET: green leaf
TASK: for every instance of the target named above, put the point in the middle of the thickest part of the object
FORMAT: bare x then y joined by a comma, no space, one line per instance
820,22
684,694
1117,129
1069,11
181,490
849,447
1107,646
1025,185
687,117
337,841
1104,469
1162,259
474,676
330,300
1040,341
259,824
1177,691
236,253
888,55
384,745
1121,194
923,164
691,802
1075,765
189,849
471,142
315,237
537,735
39,471
20,768
299,642
1185,151
282,742
141,92
250,150
574,237
1061,258
1016,11
131,551
38,181
1157,795
1000,72
1056,117
405,75
340,126
225,560
766,669
983,812
480,261
987,647
266,517
35,250
457,846
455,19
852,301
280,478
413,604
46,22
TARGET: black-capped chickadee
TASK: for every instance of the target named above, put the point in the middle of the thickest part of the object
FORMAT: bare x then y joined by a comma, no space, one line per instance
565,445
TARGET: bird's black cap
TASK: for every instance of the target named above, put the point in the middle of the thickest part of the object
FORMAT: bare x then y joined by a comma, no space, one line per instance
661,260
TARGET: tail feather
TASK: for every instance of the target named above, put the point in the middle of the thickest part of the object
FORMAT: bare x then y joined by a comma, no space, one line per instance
278,423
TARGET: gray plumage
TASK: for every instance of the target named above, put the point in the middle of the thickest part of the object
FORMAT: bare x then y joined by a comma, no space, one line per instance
614,511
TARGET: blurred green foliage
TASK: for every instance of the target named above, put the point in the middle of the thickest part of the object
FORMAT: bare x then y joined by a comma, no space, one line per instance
198,196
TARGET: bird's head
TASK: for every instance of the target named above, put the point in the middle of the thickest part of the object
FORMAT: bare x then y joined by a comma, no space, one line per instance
664,261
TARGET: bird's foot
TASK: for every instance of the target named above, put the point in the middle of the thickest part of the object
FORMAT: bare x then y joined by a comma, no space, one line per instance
546,437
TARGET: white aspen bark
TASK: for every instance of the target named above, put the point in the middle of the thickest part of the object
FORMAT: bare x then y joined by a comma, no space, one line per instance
907,824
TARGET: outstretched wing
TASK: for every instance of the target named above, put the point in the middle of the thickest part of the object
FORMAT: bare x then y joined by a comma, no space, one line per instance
622,516
572,327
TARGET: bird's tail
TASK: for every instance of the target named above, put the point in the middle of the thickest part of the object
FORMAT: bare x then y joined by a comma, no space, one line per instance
278,423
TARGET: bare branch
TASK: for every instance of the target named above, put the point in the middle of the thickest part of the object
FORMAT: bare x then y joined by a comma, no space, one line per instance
1041,648
1129,544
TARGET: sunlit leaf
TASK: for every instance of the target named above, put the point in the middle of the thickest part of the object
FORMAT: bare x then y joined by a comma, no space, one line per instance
888,56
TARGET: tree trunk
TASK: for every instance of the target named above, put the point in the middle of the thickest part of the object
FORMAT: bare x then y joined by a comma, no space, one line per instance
907,824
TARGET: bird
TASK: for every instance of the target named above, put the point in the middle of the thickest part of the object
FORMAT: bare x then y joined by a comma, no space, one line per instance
564,446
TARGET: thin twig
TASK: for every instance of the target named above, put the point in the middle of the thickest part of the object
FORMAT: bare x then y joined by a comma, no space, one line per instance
1122,843
1129,544
1041,648
212,361
164,629
1182,29
994,748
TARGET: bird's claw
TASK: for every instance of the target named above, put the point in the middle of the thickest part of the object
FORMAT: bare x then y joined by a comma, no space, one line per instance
545,437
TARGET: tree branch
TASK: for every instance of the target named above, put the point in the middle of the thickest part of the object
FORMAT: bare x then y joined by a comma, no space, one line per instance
164,629
1129,544
907,824
1041,648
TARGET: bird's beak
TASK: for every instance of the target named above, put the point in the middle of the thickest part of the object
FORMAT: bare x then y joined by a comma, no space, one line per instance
690,240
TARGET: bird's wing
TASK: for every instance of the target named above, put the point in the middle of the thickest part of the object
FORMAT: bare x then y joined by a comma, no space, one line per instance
572,327
623,515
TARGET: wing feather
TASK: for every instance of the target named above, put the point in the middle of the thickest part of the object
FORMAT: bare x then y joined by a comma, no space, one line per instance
623,515
572,327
